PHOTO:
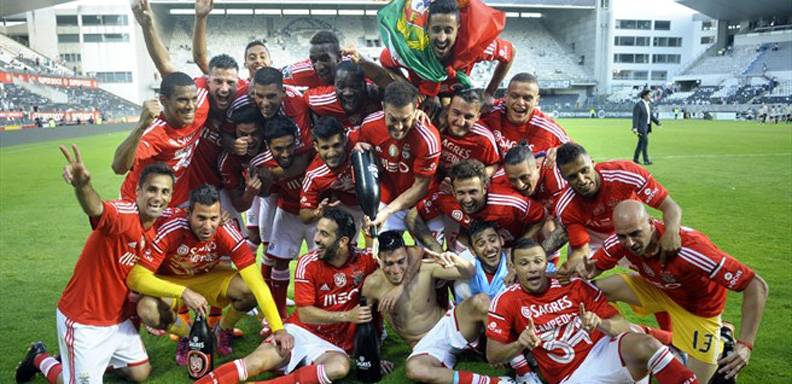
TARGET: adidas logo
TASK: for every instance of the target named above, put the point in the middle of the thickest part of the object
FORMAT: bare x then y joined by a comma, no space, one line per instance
324,287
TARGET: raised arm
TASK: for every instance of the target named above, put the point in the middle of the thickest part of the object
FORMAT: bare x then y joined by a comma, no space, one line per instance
78,176
497,77
672,218
380,75
200,54
450,266
754,299
156,49
124,156
421,232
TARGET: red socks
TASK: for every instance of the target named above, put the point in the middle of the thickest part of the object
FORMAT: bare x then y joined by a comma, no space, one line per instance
520,365
309,374
466,377
48,366
280,286
663,321
228,373
669,370
662,336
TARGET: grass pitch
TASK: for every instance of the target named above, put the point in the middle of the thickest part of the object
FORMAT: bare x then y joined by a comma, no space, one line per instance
732,179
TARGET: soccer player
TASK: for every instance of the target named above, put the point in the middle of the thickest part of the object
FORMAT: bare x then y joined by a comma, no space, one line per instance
288,230
571,330
462,137
329,179
518,118
183,267
408,150
436,335
169,137
320,67
349,100
94,330
691,287
327,288
474,198
586,208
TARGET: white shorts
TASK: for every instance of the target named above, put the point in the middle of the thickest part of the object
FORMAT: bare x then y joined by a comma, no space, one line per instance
443,341
266,217
397,222
288,233
307,347
252,214
87,350
603,365
225,203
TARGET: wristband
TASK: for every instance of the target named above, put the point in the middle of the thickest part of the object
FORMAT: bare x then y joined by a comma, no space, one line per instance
746,344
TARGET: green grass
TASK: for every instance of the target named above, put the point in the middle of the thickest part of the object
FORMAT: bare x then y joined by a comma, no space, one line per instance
732,179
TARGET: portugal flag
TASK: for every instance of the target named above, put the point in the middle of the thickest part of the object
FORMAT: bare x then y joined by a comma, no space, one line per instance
403,23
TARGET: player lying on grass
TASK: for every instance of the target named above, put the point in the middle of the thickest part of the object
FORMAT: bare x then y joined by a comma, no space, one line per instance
94,330
183,266
691,286
327,286
574,334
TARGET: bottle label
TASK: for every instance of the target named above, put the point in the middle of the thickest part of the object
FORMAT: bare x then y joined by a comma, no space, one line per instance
362,363
198,363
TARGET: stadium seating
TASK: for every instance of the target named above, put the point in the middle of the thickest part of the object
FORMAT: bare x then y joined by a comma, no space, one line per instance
734,61
771,57
17,57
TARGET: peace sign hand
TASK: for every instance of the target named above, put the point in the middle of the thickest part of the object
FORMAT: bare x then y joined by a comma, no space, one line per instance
75,172
588,320
528,337
445,259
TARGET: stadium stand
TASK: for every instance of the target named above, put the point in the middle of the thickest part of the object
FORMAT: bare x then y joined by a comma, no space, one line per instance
18,57
734,60
771,57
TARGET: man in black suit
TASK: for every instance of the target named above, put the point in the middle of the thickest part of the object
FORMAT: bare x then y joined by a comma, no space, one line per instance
642,125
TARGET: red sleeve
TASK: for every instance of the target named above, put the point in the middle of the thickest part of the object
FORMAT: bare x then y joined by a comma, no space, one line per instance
491,155
721,267
229,172
310,195
113,219
202,110
576,231
651,192
499,319
149,145
608,256
304,288
500,50
426,162
159,249
233,243
428,207
535,212
594,300
386,60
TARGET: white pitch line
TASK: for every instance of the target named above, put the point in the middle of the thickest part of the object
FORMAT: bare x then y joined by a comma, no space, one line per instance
715,156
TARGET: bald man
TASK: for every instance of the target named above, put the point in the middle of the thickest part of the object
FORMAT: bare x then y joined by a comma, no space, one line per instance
691,287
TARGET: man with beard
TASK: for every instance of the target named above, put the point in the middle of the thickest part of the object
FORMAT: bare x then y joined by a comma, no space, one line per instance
408,150
183,267
474,198
329,179
320,67
462,137
436,335
94,329
349,100
517,118
691,287
288,231
575,335
327,288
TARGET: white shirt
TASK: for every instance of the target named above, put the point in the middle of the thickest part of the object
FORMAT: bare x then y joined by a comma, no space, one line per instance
648,113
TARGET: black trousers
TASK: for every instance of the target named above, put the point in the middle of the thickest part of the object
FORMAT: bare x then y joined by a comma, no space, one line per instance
642,147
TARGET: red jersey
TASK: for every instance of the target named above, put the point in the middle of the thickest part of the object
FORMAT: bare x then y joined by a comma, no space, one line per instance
564,343
549,186
514,213
321,285
97,291
477,144
301,74
288,190
418,154
499,50
541,132
232,170
293,106
697,277
176,251
321,180
619,181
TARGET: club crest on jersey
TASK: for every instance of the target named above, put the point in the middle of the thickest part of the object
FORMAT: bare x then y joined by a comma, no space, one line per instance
393,151
183,250
457,215
525,311
339,279
406,152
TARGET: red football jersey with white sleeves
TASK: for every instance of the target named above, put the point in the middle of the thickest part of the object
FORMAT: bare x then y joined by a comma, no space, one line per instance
697,277
541,132
555,314
321,180
620,180
418,154
176,251
172,146
293,106
301,74
321,285
323,101
514,213
288,190
477,144
232,170
97,292
499,50
550,184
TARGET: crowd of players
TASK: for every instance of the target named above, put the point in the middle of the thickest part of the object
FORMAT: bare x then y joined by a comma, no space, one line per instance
490,189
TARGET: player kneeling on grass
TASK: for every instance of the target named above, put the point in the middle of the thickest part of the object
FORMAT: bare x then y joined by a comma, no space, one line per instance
690,285
94,329
327,286
572,331
437,335
183,266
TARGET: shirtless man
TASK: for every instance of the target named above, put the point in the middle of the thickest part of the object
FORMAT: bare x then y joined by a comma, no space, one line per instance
435,334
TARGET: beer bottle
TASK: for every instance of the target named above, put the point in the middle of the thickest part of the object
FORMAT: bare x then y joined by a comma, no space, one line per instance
200,357
367,353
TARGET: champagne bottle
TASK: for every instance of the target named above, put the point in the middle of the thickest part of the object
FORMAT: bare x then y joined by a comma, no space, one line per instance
200,357
367,185
727,337
367,353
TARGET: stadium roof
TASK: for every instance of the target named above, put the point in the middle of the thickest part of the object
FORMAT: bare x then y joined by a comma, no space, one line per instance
570,4
736,10
8,7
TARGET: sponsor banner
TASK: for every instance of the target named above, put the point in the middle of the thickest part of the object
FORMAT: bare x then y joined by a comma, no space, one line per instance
11,77
554,84
11,115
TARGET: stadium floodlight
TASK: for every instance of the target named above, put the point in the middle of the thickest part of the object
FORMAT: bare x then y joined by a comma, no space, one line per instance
302,12
324,12
239,11
182,11
531,15
267,11
351,12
